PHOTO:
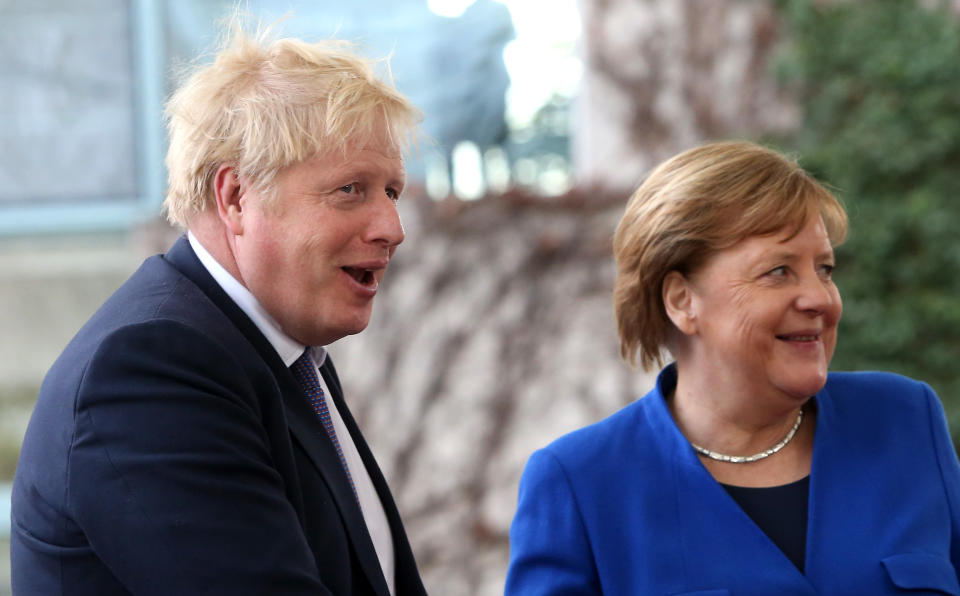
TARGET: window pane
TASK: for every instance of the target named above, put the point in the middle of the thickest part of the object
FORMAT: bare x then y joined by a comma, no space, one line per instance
67,106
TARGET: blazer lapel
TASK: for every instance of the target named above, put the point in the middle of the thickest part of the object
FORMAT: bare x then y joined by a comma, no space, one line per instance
846,487
407,578
710,520
308,431
301,418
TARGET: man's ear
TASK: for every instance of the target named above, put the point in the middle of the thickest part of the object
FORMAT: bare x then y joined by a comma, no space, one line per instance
677,295
228,193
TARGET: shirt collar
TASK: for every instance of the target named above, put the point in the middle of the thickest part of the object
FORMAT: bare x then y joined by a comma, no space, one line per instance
287,348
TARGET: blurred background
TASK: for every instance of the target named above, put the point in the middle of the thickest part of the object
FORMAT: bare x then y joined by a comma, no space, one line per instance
494,331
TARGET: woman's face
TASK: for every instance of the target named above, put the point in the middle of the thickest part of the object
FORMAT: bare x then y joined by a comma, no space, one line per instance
766,313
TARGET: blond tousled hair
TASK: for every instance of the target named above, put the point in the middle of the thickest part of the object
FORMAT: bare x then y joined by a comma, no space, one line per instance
694,204
265,104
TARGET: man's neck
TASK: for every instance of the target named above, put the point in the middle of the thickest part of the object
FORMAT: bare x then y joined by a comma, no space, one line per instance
287,348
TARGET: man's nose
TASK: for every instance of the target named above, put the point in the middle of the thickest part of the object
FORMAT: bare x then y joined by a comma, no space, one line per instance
385,226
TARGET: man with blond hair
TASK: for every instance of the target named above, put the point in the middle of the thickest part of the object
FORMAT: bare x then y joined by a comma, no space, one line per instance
193,437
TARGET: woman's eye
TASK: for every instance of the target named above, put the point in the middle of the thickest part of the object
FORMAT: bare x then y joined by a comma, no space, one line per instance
778,271
826,271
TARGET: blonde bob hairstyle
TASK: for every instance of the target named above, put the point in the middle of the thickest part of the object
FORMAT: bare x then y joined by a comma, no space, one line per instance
265,104
694,204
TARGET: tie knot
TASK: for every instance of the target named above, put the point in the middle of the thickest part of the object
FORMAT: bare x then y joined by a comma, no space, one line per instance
305,372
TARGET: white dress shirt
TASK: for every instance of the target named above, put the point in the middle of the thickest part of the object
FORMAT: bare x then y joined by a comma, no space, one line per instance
289,351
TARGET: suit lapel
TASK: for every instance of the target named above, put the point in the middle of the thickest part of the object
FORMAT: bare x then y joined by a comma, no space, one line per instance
301,418
407,578
311,435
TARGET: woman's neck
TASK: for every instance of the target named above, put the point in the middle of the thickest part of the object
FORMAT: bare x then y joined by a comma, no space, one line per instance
725,418
716,408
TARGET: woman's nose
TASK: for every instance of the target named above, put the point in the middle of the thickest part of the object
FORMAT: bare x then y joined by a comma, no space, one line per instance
817,295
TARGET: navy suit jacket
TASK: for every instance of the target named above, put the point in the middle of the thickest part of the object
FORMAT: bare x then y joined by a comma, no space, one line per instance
172,452
625,506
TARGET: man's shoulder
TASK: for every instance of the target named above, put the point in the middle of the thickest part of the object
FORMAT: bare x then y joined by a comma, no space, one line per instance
155,291
157,300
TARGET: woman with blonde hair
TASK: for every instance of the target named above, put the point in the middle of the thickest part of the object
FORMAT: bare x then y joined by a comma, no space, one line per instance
748,468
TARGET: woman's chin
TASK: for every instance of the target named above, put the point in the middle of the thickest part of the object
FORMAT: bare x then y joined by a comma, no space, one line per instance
800,380
806,386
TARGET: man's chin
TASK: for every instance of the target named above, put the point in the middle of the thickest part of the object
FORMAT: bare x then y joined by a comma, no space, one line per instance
329,334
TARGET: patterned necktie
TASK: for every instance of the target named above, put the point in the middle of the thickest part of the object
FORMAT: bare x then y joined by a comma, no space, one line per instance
305,372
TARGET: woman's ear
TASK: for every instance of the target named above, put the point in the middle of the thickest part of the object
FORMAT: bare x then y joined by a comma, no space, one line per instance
228,193
677,295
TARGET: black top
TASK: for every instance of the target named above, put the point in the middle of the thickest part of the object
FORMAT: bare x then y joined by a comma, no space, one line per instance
781,512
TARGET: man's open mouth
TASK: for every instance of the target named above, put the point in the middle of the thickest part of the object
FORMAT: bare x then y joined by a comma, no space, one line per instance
363,276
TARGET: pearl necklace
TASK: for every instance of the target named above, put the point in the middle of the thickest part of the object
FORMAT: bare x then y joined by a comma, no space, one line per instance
745,459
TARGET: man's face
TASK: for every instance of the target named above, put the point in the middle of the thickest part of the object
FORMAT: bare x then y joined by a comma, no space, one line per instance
314,256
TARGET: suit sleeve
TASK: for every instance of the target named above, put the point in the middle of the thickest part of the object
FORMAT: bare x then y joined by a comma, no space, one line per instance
550,552
949,471
170,471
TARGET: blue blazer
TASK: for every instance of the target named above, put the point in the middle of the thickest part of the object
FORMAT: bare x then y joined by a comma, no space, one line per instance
625,507
172,452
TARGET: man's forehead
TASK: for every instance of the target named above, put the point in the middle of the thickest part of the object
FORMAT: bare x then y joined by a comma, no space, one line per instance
363,160
383,145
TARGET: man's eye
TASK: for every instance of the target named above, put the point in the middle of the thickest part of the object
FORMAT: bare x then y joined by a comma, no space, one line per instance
393,194
348,188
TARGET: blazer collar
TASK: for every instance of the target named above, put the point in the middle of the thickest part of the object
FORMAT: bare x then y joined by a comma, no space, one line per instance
672,443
